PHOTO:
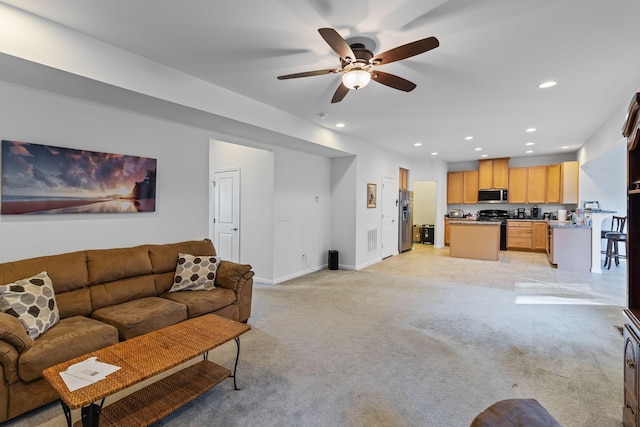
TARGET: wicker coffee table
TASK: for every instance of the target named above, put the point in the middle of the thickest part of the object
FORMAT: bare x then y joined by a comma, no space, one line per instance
143,357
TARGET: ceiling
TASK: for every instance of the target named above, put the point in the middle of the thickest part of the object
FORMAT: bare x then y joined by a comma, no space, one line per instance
482,80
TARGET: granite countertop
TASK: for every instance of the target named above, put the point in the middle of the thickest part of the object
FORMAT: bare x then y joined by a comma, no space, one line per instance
527,219
474,222
567,224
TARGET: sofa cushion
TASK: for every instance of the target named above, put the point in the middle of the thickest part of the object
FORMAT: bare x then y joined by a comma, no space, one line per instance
142,315
69,338
33,301
121,291
202,302
195,273
108,265
164,257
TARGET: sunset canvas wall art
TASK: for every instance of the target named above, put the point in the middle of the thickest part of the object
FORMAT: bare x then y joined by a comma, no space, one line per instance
42,179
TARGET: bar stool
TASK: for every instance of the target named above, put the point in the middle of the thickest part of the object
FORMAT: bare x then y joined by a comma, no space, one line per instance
613,237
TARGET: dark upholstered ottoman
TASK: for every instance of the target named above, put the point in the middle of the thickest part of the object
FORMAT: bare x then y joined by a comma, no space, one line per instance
515,413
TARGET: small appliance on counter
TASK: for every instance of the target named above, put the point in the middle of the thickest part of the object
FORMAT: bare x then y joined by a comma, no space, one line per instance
562,215
593,205
456,213
521,214
536,213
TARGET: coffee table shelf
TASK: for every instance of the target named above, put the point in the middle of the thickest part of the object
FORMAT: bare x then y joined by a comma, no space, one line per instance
157,400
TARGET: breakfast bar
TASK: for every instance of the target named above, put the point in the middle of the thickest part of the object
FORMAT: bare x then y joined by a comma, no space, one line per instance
475,240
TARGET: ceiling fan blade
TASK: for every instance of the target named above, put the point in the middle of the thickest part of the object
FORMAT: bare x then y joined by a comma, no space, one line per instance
340,93
405,51
338,44
393,81
309,73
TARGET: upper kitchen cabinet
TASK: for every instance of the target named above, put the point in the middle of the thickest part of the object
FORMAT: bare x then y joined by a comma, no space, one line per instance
470,187
569,175
528,185
455,188
493,174
518,185
562,183
536,184
462,187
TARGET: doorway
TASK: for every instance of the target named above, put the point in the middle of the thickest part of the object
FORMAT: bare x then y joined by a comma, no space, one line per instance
226,219
424,207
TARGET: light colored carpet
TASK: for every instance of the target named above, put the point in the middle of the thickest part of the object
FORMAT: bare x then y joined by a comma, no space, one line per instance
389,346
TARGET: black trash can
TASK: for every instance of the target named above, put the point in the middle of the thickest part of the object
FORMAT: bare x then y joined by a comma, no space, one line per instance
333,260
427,234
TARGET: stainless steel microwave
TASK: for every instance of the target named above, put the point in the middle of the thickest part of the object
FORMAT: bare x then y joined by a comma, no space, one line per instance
493,196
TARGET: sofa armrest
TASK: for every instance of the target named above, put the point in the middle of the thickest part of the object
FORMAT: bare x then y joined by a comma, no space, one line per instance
9,361
13,332
231,275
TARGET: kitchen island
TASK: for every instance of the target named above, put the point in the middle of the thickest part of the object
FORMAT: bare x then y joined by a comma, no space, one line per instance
569,246
475,240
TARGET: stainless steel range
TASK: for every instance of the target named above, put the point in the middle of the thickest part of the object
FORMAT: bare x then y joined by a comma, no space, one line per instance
496,215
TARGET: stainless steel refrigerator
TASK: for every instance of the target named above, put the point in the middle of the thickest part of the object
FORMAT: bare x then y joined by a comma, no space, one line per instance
405,220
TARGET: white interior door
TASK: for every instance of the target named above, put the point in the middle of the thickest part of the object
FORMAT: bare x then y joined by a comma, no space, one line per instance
226,220
389,209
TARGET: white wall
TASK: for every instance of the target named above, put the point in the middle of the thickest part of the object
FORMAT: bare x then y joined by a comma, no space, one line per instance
182,180
344,209
302,209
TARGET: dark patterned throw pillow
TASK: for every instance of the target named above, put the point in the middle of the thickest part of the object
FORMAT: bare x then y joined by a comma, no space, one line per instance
33,302
195,272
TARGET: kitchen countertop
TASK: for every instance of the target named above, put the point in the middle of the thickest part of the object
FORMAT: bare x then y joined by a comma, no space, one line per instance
567,224
473,222
527,219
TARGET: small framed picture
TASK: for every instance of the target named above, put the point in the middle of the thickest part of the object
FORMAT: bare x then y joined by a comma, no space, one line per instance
371,195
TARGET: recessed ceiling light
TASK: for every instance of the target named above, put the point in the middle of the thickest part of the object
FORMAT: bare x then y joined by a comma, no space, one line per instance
530,143
564,147
547,84
418,144
485,155
468,138
530,130
434,154
340,125
529,151
478,149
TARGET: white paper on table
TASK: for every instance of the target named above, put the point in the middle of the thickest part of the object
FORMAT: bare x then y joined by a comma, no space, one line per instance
86,372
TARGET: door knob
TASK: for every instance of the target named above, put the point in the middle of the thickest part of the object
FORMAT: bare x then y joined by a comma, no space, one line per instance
235,229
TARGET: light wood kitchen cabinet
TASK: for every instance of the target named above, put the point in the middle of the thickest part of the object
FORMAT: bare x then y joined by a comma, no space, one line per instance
493,174
554,184
470,187
527,235
519,235
447,232
569,181
539,236
536,184
562,183
518,185
462,187
455,188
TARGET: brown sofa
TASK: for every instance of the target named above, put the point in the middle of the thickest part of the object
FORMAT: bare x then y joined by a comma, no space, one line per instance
104,296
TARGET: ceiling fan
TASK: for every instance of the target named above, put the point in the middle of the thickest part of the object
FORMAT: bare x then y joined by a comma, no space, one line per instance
358,63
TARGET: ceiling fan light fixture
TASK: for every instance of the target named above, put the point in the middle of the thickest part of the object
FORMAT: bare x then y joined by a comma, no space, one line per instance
356,78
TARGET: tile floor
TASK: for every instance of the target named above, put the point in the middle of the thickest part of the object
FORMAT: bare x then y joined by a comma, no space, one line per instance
527,273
